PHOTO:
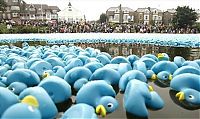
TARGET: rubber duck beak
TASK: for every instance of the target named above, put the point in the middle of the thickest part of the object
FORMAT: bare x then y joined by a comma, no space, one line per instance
151,88
160,56
30,100
180,96
170,77
100,109
45,75
154,77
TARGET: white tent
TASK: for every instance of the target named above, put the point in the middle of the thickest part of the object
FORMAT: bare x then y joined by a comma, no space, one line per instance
70,14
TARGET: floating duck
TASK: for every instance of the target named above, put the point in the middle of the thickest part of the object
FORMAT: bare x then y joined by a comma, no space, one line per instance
186,69
40,67
17,87
111,76
55,61
140,66
118,60
103,59
4,69
188,86
150,56
77,81
2,84
197,61
164,70
75,62
28,108
98,94
191,63
149,62
26,76
58,89
80,111
93,66
132,58
46,105
7,98
178,60
138,96
31,61
84,59
106,54
59,71
163,57
131,75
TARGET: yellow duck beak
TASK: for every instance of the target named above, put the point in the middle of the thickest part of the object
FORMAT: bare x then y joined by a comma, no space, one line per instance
170,77
180,96
30,100
45,75
151,88
154,77
160,56
100,109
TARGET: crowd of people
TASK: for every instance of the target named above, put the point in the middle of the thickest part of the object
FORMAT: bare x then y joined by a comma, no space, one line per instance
95,27
120,28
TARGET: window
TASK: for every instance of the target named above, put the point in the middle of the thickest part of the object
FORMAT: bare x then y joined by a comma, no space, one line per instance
146,17
140,17
14,14
14,0
9,16
155,18
116,17
69,9
155,12
15,8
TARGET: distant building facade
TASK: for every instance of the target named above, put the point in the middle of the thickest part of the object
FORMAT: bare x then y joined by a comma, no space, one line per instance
120,14
168,16
19,11
148,16
71,14
198,15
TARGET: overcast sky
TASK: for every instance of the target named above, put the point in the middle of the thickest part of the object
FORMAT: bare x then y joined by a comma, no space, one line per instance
93,8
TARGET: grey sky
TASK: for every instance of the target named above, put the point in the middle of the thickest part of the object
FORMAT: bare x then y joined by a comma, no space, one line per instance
93,8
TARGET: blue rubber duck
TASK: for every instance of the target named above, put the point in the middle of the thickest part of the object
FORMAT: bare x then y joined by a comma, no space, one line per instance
188,85
28,108
61,90
17,87
80,111
121,68
197,61
77,81
26,76
164,70
40,67
152,56
7,98
74,62
100,95
191,63
118,60
132,58
93,66
131,75
186,69
178,60
46,105
55,61
56,71
138,95
163,57
140,66
111,76
103,59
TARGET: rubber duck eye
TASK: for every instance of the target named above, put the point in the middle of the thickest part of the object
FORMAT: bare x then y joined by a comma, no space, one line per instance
110,105
165,77
191,96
